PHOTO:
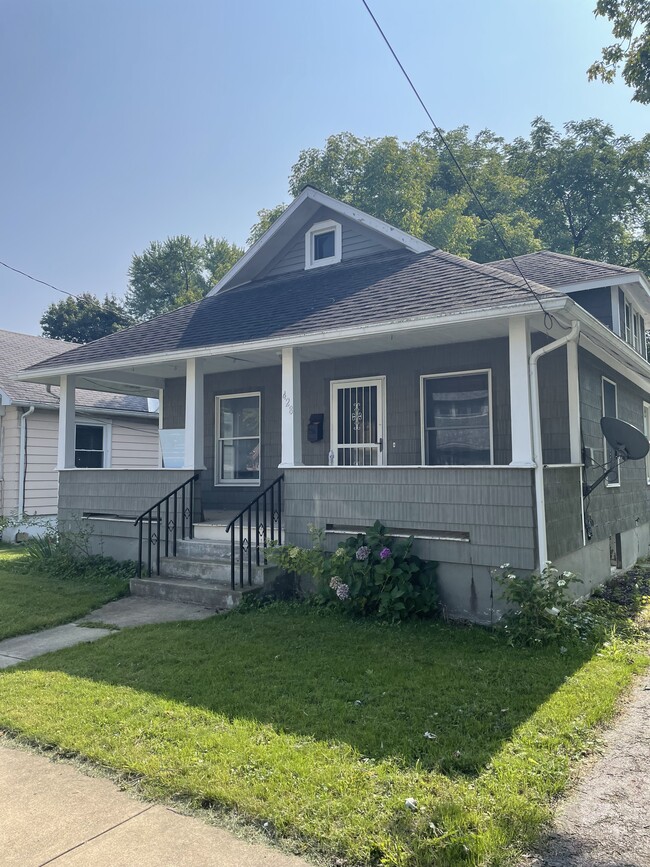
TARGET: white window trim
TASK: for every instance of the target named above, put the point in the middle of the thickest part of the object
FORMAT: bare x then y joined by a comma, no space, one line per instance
236,483
603,380
381,416
427,376
107,439
320,229
646,431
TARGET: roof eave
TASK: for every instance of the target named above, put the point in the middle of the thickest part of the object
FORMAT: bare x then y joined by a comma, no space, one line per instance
551,303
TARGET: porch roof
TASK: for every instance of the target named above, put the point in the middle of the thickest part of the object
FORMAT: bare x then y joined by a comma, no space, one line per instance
396,286
562,270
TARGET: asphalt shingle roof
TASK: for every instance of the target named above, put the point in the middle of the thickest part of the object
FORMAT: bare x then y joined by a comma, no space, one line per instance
392,286
559,269
18,351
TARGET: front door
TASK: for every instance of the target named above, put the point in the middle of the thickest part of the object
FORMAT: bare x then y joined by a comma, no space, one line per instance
357,435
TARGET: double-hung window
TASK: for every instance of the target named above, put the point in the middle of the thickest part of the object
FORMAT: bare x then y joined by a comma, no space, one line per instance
238,439
90,448
610,409
456,415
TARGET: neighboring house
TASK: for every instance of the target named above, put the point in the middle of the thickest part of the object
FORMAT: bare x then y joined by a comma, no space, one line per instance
110,431
387,380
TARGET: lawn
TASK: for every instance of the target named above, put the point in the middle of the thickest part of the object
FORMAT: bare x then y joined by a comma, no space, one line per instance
315,724
30,601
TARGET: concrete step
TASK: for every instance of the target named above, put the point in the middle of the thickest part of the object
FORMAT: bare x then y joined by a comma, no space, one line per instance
216,570
203,549
211,532
187,590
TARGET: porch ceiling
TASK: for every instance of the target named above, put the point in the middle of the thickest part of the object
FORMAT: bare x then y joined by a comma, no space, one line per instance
145,379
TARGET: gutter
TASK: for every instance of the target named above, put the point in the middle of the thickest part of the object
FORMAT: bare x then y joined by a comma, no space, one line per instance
540,503
22,472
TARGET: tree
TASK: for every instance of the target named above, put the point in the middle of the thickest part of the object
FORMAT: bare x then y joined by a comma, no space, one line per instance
415,186
589,189
86,318
631,28
177,271
265,219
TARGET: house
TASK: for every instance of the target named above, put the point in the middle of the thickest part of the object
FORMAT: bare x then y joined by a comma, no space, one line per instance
344,371
110,430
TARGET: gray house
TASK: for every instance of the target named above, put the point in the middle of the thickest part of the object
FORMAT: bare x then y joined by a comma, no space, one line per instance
381,379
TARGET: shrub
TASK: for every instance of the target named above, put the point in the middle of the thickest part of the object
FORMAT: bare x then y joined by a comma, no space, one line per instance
374,574
543,610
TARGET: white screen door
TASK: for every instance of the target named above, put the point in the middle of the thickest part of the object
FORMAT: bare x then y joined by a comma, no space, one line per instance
358,422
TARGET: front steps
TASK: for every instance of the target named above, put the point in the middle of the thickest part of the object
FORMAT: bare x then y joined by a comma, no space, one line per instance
200,573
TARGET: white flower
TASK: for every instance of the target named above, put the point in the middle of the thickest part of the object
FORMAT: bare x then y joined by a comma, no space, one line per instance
411,803
561,583
504,566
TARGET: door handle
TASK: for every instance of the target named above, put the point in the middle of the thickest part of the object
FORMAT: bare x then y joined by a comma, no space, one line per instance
381,444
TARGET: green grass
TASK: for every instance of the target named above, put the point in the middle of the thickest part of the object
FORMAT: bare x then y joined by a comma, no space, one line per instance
315,724
30,601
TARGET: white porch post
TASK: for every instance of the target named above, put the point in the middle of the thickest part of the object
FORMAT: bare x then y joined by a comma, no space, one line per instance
291,410
194,415
520,408
66,422
573,383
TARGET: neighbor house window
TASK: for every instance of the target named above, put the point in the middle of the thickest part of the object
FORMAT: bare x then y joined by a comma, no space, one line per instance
456,415
90,448
238,439
610,409
323,244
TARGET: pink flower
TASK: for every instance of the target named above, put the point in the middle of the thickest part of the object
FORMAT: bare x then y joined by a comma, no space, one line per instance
343,591
363,552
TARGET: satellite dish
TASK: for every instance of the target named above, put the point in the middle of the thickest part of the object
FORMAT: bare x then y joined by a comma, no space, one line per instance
627,441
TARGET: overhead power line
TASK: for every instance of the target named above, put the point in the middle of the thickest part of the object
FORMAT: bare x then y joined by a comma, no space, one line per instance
548,317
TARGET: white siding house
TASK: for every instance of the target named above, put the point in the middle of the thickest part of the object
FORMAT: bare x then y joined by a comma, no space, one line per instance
116,431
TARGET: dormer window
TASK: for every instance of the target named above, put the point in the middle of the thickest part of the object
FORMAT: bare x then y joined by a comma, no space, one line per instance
323,244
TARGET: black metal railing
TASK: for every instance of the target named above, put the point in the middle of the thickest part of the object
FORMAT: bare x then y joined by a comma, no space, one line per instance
267,509
175,519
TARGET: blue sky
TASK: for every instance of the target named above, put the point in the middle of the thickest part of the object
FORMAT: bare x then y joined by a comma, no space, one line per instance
126,121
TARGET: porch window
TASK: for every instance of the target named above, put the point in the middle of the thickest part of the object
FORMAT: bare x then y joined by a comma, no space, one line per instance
610,409
238,439
90,447
456,413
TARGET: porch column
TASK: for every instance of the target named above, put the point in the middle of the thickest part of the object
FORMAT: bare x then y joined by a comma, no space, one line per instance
520,418
67,431
194,400
573,383
291,410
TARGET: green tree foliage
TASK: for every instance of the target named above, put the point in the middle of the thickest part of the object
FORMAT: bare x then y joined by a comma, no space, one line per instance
265,219
415,186
583,191
589,189
80,320
177,271
630,21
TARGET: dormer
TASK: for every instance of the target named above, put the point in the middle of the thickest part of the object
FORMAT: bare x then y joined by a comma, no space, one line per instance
316,231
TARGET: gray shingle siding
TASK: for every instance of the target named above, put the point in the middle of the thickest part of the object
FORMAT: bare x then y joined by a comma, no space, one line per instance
614,510
495,506
355,241
598,302
563,510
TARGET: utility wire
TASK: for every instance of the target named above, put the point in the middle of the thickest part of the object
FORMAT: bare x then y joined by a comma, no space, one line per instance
44,282
548,317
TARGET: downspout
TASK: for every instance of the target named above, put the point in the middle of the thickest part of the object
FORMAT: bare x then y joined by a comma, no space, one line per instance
540,502
22,472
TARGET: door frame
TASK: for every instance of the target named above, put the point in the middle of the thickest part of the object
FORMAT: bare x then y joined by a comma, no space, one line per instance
355,382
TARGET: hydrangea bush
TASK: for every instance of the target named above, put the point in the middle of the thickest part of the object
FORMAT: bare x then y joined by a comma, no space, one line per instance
370,574
373,574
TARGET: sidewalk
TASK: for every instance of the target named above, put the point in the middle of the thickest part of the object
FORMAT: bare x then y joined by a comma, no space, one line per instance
129,611
54,814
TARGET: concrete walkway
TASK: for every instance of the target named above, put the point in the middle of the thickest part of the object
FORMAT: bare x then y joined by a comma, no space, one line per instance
129,611
54,814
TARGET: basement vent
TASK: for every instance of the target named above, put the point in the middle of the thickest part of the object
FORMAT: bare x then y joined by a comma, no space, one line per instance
402,532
